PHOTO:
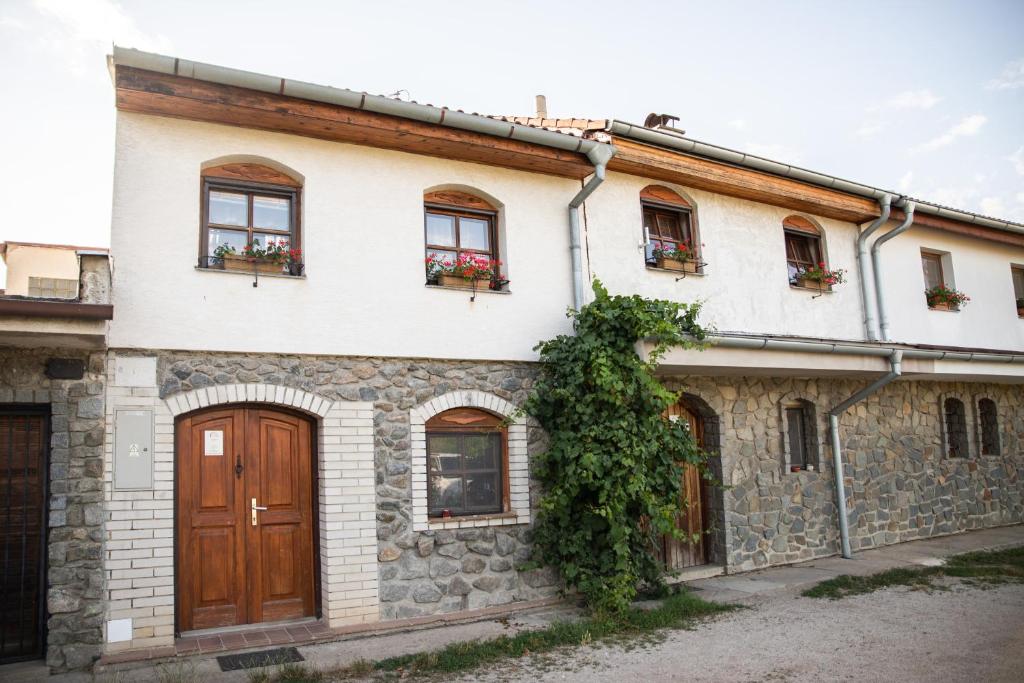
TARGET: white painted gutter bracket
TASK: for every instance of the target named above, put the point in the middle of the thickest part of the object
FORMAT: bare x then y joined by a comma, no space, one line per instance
599,156
867,295
895,369
876,264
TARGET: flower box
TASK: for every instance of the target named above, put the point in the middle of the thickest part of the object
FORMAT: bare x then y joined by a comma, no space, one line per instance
941,306
249,264
686,266
459,281
807,283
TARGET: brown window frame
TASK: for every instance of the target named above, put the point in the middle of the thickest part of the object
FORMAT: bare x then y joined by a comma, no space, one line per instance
805,416
684,217
469,421
988,426
458,213
937,259
1017,276
250,190
792,231
954,420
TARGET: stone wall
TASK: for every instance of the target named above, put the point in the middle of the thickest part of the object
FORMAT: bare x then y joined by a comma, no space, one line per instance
900,485
424,572
75,543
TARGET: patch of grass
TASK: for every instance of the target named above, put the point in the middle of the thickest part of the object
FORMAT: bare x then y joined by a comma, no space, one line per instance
998,566
178,671
678,611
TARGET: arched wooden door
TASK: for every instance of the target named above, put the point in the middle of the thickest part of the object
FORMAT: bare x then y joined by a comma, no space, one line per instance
677,553
245,517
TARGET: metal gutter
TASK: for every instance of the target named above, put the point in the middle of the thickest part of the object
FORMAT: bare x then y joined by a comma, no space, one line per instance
599,156
876,265
840,348
349,98
682,144
36,308
867,294
895,369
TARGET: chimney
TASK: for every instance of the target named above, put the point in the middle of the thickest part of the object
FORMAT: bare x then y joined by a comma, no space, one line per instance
542,107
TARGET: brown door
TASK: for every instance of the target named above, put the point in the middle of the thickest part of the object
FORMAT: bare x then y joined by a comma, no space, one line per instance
679,554
238,564
23,440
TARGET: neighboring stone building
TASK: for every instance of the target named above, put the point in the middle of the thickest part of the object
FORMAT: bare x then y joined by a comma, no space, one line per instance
329,435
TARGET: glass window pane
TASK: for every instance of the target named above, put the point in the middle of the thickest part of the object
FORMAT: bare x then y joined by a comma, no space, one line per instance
481,451
483,492
668,226
229,208
440,230
444,453
271,212
1018,282
474,234
445,492
231,238
932,270
264,240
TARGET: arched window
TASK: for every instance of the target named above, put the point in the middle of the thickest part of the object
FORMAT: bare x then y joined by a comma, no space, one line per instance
800,435
988,424
956,428
460,226
670,228
247,209
803,247
467,464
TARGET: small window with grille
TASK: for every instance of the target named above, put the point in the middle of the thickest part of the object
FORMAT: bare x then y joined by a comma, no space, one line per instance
988,425
52,288
801,436
955,419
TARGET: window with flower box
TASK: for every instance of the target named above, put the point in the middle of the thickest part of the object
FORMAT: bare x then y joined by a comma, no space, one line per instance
461,241
467,464
250,220
804,253
939,291
670,230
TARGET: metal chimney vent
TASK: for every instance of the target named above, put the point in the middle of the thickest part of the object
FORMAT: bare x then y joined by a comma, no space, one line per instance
661,121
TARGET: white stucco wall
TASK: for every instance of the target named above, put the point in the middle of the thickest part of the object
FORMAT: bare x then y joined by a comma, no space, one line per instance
980,269
746,286
24,261
363,243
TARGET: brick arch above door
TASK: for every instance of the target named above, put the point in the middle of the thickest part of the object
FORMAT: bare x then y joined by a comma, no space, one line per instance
274,394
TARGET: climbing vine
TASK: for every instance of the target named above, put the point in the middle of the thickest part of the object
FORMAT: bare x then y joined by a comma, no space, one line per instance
612,471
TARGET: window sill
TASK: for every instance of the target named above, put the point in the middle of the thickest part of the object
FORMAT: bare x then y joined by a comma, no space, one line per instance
802,471
944,310
461,522
823,290
677,273
247,273
478,290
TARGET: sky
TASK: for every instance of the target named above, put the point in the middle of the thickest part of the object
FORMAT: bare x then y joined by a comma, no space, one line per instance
923,98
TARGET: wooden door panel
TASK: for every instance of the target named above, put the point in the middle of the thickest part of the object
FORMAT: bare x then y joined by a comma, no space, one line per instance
211,553
231,570
679,554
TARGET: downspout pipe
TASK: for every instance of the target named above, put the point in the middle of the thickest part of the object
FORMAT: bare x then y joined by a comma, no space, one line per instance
867,295
599,156
895,370
883,318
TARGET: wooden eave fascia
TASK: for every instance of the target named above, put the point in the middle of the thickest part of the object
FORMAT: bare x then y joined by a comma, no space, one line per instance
42,308
149,92
656,163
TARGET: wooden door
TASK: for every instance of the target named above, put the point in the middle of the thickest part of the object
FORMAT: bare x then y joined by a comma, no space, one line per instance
679,554
23,441
236,565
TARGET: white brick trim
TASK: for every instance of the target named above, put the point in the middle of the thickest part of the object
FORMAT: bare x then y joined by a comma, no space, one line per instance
139,562
518,462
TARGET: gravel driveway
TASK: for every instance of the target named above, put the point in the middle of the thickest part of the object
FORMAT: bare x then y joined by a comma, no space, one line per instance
895,635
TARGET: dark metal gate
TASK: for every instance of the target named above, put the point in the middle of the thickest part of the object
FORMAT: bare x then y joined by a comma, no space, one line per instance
23,463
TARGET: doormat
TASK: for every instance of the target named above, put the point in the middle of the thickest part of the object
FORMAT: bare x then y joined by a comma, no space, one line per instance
253,660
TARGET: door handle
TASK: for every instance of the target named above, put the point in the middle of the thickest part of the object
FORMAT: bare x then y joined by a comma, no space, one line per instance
255,508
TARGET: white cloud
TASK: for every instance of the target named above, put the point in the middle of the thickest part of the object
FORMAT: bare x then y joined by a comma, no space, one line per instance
909,99
970,125
1010,78
83,28
12,23
869,130
1017,159
774,151
738,124
905,181
993,206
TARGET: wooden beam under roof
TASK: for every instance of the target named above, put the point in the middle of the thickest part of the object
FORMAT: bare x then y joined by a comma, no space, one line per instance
148,92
